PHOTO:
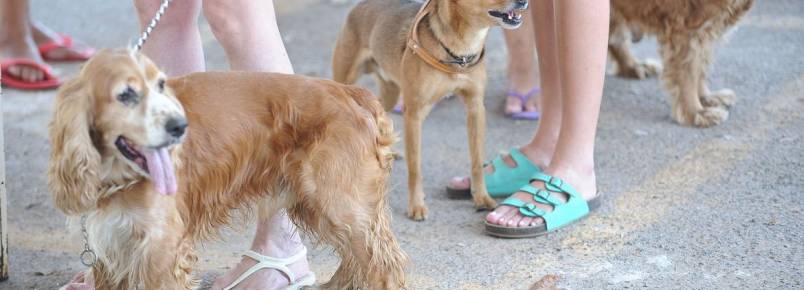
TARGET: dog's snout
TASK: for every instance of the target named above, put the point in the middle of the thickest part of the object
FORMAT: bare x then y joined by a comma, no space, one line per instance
522,4
176,126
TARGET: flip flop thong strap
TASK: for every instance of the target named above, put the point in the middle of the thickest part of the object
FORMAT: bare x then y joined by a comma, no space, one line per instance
265,262
524,97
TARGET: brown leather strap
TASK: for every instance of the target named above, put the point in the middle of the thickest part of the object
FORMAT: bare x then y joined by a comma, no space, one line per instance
415,46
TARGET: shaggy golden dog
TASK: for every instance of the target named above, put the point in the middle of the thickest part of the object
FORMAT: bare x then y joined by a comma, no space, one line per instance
423,52
687,31
257,141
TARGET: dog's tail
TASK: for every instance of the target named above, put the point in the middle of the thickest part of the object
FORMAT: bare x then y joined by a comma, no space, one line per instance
379,120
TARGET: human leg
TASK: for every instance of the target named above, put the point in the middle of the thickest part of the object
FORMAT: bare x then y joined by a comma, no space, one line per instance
581,34
175,43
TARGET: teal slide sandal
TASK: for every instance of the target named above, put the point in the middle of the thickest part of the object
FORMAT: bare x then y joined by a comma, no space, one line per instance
564,213
505,180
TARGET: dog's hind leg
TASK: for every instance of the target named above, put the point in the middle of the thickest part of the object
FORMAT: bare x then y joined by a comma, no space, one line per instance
684,64
627,65
720,98
357,225
389,91
348,58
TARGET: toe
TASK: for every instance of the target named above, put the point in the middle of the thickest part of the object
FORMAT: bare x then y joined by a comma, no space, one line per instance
513,105
460,182
507,217
525,222
536,222
495,216
514,221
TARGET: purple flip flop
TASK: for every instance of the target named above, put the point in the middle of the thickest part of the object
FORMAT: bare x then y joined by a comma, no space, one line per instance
531,115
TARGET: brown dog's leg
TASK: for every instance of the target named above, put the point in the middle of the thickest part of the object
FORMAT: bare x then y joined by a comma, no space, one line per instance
721,98
357,225
389,92
348,57
414,114
476,129
684,65
620,50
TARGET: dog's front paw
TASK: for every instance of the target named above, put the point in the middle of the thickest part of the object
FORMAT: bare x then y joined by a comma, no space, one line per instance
642,70
709,116
417,212
484,201
720,98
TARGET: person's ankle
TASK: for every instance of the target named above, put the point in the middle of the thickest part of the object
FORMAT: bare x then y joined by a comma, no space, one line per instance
580,177
522,79
279,249
539,155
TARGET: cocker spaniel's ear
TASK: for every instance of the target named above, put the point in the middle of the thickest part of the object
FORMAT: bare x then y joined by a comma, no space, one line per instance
73,172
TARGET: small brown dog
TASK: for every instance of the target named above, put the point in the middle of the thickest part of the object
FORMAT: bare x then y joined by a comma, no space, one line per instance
254,141
425,55
687,31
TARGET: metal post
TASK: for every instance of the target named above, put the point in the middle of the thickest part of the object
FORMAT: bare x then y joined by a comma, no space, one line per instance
3,203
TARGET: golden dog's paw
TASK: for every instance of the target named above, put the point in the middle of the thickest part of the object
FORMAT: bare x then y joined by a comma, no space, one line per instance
651,67
417,212
720,98
642,70
710,116
484,201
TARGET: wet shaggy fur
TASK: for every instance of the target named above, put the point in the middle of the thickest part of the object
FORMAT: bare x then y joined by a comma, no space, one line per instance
255,141
687,31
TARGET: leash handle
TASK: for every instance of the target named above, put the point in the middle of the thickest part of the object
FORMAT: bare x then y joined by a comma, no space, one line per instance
152,25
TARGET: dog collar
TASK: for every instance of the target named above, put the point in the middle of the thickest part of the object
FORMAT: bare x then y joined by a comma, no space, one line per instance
465,63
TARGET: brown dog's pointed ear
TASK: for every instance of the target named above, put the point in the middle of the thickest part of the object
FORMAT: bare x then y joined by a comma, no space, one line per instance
73,172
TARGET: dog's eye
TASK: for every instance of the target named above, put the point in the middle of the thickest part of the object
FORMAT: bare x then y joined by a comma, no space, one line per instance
128,97
162,85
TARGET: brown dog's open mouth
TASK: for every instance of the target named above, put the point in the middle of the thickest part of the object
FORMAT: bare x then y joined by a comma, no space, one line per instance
511,17
155,162
127,149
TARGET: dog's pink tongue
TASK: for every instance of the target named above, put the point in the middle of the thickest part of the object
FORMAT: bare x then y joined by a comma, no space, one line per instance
161,169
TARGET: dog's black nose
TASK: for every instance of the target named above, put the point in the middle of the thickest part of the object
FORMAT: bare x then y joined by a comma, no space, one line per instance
522,4
176,126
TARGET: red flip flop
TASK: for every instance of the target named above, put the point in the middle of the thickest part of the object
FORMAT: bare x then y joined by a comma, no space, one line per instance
7,79
65,42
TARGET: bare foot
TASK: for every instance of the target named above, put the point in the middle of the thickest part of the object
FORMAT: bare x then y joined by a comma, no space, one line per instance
267,279
508,216
514,101
522,78
22,48
42,35
535,156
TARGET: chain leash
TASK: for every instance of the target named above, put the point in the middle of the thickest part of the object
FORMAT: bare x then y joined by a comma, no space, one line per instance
88,256
152,25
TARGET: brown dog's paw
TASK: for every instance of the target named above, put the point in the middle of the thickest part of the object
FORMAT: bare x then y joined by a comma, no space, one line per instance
417,212
710,116
484,201
642,70
721,98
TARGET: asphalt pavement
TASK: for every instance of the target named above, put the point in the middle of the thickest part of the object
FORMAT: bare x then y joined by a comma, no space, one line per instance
684,208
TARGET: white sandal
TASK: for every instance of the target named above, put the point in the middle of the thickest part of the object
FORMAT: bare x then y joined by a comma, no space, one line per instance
265,262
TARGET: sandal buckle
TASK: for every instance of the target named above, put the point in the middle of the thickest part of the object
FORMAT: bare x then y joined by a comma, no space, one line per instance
557,182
